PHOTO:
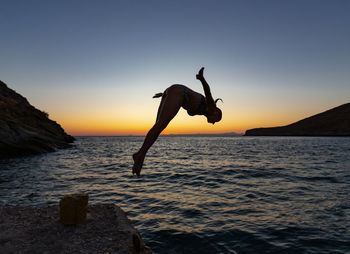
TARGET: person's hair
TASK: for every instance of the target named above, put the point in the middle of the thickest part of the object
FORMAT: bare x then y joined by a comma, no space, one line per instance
218,99
218,111
219,114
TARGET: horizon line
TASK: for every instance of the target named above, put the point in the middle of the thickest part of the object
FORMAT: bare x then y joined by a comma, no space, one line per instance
167,135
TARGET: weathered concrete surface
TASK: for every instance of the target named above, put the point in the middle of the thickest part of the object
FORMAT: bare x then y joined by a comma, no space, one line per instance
38,230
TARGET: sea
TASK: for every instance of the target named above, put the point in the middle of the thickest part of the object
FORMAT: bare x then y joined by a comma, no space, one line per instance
204,194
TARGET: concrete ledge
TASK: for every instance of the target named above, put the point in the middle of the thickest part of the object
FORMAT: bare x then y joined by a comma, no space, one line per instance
38,230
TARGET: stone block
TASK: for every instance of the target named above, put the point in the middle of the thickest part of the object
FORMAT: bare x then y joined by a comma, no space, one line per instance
73,208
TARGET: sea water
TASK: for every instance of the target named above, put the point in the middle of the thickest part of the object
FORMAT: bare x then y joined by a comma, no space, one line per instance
204,194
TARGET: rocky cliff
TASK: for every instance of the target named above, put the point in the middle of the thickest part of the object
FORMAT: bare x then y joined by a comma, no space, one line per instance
25,129
333,122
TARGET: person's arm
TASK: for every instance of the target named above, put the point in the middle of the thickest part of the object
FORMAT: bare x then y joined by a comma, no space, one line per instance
206,88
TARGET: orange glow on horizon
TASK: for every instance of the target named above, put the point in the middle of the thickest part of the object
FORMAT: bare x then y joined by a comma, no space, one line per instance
138,119
180,125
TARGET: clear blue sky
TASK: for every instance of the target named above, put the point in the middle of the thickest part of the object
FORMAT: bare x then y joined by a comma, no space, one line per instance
98,63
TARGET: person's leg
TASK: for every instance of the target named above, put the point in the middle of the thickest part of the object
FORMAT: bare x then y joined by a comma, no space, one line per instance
168,108
161,105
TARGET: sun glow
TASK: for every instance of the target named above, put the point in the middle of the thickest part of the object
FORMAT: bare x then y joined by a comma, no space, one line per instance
128,119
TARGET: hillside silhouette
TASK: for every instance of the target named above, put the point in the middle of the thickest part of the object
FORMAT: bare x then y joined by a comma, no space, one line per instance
25,129
333,122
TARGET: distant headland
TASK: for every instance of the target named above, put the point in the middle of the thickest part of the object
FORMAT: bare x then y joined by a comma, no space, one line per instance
333,122
25,129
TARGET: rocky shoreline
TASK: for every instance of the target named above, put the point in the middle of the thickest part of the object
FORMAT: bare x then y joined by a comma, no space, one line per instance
38,230
26,130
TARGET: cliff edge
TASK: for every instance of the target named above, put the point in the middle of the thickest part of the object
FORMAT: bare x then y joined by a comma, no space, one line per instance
25,129
333,122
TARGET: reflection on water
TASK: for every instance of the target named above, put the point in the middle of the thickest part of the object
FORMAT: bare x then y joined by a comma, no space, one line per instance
205,195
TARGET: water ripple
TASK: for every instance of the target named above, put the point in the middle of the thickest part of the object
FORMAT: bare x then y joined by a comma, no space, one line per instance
205,195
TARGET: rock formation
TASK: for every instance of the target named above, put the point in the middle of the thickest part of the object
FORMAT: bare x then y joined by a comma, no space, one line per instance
25,129
333,122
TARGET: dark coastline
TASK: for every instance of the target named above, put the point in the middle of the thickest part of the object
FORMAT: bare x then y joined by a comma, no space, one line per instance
26,130
331,123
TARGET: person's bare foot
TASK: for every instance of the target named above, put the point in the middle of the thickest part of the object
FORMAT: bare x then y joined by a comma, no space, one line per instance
200,76
138,162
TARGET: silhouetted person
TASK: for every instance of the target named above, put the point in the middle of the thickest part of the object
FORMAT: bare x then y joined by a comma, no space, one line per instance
173,98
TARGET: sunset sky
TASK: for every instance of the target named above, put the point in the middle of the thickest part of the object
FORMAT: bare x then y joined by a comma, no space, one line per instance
95,65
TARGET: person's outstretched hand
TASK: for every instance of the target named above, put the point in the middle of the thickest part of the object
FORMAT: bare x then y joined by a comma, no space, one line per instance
200,76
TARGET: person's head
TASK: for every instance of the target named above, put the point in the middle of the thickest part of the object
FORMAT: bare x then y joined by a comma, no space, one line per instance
214,115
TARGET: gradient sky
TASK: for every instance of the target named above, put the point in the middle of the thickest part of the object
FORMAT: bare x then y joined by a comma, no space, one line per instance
95,65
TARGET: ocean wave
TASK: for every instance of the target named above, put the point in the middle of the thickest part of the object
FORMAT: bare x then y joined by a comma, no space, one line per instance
204,195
